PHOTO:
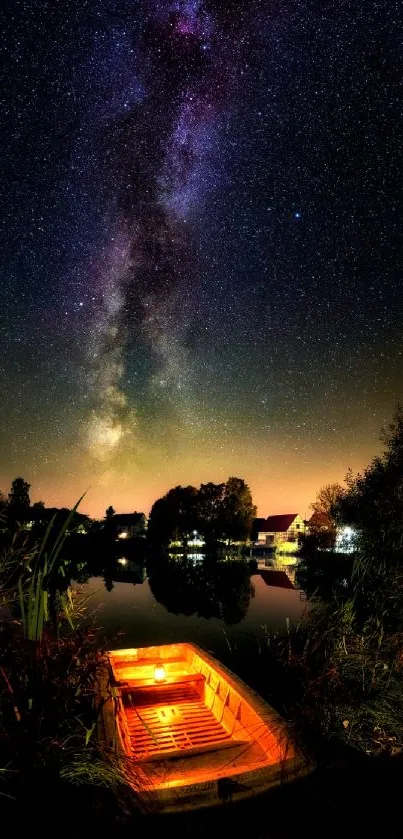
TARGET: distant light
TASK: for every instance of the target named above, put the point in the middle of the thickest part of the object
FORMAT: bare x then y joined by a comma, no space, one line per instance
346,539
159,673
297,215
122,560
123,535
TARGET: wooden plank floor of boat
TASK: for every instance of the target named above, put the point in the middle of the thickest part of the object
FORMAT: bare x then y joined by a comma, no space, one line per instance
173,720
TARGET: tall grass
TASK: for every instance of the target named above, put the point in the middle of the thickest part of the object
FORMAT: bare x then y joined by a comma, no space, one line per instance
51,663
342,682
35,586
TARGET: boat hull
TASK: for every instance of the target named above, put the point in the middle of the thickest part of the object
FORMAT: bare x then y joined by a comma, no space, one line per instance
198,738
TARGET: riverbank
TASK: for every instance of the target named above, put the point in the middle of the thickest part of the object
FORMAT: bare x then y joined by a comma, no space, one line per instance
353,799
347,794
335,673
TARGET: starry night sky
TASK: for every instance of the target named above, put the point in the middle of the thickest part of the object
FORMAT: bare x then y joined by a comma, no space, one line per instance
201,245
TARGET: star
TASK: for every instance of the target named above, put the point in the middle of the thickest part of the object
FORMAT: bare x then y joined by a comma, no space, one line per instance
200,246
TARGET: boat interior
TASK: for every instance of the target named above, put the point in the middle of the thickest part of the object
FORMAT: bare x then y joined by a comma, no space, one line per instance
178,703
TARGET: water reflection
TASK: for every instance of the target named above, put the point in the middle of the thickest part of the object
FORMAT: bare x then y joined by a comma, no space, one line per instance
193,585
206,588
278,579
186,585
227,607
124,570
131,615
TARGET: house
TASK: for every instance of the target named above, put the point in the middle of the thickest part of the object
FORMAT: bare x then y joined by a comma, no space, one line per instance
278,531
127,525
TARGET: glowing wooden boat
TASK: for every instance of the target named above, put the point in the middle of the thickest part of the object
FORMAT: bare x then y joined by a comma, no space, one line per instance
193,733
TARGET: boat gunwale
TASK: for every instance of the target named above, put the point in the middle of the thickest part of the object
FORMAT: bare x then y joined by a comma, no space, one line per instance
275,724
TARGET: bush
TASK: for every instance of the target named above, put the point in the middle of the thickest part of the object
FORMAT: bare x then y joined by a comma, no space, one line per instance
342,683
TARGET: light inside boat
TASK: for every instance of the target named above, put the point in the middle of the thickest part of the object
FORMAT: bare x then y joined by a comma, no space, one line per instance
159,673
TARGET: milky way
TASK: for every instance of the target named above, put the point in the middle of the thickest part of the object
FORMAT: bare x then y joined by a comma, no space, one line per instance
201,245
159,159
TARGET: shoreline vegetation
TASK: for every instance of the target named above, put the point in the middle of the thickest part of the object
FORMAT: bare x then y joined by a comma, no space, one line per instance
337,676
51,661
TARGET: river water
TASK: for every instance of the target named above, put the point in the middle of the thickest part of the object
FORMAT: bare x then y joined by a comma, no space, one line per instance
228,612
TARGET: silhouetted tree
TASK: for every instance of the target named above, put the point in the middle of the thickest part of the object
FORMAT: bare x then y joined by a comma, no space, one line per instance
218,511
238,510
3,502
326,498
38,510
19,500
373,506
174,516
322,524
109,526
210,513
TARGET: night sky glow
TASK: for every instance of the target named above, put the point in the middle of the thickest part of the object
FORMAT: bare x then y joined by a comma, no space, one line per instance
201,245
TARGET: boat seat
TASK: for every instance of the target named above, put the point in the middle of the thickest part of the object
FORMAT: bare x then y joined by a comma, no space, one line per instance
146,662
138,685
195,750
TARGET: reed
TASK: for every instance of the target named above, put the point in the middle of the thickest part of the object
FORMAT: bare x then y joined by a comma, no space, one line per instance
38,581
51,661
341,683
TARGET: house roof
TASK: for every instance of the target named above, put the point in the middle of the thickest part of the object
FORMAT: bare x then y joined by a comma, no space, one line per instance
276,524
258,524
127,518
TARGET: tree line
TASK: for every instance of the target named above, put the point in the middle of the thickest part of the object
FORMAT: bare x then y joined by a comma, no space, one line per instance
217,512
16,510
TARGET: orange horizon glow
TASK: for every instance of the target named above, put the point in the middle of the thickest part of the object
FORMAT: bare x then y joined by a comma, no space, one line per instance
280,486
284,473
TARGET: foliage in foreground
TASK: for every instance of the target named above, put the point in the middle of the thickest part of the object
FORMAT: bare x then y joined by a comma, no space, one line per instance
344,662
373,506
51,663
344,682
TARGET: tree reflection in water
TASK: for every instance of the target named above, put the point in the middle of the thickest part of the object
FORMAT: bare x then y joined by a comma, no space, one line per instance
113,570
208,589
123,570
